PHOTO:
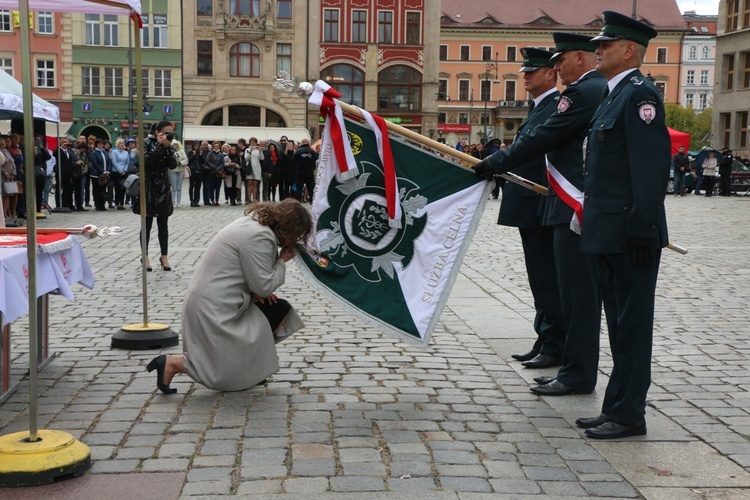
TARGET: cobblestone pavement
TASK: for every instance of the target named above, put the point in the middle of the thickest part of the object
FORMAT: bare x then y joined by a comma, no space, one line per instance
354,413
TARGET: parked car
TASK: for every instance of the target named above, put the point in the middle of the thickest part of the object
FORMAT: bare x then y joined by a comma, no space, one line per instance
740,178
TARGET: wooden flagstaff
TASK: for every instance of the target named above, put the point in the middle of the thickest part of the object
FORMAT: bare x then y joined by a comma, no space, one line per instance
304,89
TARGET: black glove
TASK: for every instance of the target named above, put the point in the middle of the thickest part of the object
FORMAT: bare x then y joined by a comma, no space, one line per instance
483,169
640,250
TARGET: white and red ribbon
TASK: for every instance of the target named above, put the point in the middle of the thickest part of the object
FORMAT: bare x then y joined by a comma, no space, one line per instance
324,96
392,198
568,193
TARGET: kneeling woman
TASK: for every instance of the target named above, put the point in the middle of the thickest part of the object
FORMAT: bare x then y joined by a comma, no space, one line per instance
231,318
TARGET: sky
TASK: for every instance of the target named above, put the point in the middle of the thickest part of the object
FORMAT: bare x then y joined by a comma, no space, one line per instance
700,6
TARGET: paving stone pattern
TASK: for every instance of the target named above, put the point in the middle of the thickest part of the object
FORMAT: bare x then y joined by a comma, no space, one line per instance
354,411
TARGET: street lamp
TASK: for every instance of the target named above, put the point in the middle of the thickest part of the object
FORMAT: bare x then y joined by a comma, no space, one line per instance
491,66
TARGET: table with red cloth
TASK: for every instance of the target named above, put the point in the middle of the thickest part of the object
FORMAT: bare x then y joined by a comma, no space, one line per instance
60,262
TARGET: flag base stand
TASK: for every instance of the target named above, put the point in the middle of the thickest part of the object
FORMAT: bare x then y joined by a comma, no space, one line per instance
40,215
140,337
53,455
60,210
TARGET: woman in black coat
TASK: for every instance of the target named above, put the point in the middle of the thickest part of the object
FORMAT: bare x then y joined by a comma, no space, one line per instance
159,158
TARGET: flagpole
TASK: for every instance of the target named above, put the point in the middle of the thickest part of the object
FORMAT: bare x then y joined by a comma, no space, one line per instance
444,148
305,90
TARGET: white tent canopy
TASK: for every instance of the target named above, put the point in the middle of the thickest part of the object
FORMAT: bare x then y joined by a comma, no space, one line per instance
11,102
79,6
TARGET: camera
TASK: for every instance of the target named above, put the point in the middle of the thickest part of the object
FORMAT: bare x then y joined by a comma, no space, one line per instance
169,136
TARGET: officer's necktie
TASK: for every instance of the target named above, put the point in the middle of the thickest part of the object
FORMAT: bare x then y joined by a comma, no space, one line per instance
606,92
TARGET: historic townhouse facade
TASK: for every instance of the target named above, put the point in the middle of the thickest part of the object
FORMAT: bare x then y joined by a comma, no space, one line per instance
698,59
103,71
481,93
731,106
232,52
50,56
383,56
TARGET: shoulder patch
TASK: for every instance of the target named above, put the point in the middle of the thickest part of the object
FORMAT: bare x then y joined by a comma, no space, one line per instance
564,104
647,111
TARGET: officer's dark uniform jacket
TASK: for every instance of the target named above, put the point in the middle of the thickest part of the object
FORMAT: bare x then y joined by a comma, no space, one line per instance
521,206
626,169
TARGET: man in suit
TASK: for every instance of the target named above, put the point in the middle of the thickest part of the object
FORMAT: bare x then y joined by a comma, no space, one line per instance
561,138
70,174
624,221
521,208
101,165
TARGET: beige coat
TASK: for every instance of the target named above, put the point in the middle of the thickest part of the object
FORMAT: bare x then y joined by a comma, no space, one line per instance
227,340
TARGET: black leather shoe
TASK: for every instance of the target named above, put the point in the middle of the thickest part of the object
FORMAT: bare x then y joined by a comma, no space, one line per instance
542,361
556,388
526,356
613,430
588,423
543,380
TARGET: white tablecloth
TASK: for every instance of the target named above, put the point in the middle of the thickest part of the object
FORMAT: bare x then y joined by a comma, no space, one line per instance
55,272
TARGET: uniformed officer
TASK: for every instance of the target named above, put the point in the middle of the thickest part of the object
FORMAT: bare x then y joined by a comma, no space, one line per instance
521,208
624,223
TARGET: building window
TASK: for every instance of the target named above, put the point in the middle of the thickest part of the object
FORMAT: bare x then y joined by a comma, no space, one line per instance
111,38
704,77
662,88
330,25
690,77
93,35
215,117
45,73
463,118
486,90
400,87
703,100
162,83
689,100
348,80
463,90
692,52
742,119
441,119
205,58
90,81
359,26
413,28
733,9
144,82
746,15
725,120
6,64
244,116
510,90
510,53
729,72
465,53
284,58
661,55
486,52
443,52
5,21
44,23
244,8
154,33
442,90
244,60
706,52
113,82
484,118
385,27
284,9
205,8
745,58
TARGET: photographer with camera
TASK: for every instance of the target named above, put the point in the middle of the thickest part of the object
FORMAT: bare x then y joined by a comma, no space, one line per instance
159,159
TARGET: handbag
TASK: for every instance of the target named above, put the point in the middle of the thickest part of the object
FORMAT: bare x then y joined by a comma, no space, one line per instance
10,187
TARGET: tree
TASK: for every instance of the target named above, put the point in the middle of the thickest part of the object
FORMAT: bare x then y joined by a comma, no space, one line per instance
685,120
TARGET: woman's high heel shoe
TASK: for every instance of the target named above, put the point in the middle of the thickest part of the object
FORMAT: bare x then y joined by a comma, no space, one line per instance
159,364
148,266
163,266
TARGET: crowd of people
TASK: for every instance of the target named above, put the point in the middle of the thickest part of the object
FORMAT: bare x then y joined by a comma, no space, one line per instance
92,170
710,170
